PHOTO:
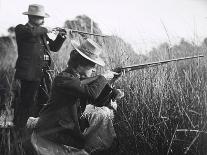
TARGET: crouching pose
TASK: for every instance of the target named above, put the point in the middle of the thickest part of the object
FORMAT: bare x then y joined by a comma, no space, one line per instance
58,129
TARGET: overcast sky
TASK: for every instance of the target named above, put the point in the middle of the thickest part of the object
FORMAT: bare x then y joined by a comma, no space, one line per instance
142,23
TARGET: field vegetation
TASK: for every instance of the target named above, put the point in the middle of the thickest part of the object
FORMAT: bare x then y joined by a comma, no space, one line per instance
164,108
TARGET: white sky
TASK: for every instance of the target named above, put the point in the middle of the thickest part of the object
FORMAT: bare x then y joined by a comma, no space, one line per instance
139,22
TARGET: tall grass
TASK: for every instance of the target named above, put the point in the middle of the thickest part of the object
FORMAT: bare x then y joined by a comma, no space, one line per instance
164,108
162,100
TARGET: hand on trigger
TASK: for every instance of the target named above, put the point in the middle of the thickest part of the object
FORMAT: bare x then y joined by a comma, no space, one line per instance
120,94
63,33
109,74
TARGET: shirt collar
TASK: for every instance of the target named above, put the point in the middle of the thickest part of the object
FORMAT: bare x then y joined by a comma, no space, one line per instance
31,25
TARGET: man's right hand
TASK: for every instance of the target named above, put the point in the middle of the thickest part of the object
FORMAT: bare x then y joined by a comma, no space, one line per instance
49,29
109,74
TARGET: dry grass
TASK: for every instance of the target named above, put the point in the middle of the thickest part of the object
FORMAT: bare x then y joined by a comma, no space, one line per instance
164,108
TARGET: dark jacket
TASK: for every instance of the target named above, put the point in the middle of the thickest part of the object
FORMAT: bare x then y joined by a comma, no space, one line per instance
67,91
30,53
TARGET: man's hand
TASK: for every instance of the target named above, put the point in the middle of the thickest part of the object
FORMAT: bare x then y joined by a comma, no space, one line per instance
120,94
32,122
49,29
117,94
109,75
63,33
60,31
118,73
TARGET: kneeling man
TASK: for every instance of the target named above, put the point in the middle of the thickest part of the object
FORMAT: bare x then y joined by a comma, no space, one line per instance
58,129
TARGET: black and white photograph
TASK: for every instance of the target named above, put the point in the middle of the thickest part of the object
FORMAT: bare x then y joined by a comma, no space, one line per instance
110,77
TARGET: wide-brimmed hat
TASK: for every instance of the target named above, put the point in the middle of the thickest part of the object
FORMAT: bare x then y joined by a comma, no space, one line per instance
89,50
36,10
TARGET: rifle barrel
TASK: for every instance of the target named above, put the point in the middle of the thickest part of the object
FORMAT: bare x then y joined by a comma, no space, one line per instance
59,29
83,32
133,67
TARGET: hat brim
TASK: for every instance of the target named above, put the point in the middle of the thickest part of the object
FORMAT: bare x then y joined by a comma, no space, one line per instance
46,15
98,60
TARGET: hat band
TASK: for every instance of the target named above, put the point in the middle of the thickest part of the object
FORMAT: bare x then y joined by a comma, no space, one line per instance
88,53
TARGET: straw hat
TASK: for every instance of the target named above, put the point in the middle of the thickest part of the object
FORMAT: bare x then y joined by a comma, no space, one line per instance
36,10
89,50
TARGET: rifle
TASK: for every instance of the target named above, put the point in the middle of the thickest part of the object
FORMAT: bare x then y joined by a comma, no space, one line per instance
109,93
68,31
151,64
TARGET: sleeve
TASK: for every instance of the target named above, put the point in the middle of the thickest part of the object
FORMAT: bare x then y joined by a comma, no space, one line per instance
56,44
71,85
24,31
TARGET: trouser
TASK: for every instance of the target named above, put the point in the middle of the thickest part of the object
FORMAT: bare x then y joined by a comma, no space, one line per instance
100,134
23,109
33,96
30,96
25,105
46,147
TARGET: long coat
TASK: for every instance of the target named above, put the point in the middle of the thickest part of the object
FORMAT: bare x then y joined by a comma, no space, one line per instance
30,53
57,117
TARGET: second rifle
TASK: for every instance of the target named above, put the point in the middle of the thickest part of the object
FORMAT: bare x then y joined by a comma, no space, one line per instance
68,31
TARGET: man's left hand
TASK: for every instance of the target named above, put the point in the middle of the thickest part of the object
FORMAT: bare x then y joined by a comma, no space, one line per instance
63,33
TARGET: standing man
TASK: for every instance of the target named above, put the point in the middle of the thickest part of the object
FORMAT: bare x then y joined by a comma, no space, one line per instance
33,61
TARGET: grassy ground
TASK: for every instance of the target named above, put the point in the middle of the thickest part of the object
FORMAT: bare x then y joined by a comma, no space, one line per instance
164,108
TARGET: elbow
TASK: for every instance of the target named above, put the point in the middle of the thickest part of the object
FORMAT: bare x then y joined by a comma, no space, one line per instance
54,49
57,44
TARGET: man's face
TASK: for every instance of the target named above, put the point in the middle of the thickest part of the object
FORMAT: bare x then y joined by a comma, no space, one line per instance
36,20
87,71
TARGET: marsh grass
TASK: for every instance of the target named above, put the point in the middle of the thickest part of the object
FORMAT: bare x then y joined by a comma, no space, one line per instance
164,108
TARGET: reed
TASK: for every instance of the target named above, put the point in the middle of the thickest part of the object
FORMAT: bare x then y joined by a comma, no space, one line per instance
161,107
